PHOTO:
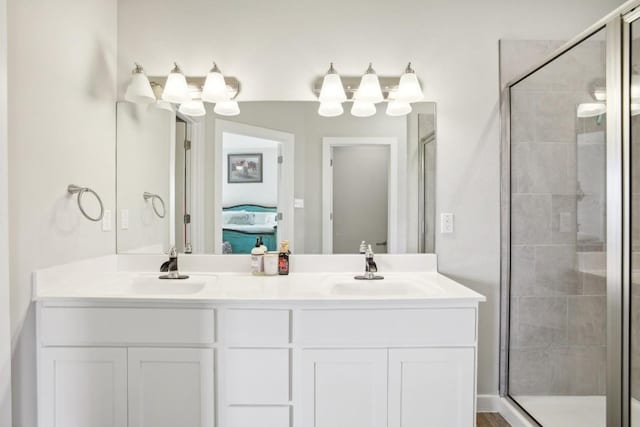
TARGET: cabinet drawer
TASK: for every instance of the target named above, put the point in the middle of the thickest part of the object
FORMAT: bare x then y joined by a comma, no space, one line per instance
121,326
244,327
246,416
388,328
257,376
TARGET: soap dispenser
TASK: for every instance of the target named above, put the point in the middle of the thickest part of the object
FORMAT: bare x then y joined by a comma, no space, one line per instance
257,259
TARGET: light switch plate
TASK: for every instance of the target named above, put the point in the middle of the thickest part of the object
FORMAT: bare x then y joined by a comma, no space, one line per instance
124,219
298,203
106,220
446,223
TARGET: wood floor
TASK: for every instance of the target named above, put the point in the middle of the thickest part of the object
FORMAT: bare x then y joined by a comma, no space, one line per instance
491,419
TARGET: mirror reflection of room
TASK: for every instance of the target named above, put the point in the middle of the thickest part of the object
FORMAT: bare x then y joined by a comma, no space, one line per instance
279,171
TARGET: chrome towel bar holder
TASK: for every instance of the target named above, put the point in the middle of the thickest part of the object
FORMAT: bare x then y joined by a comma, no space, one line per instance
146,195
80,191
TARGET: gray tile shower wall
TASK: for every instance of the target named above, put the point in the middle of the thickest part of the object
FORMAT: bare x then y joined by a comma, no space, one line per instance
558,312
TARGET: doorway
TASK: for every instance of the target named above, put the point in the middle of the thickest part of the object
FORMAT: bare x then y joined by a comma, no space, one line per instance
253,187
359,194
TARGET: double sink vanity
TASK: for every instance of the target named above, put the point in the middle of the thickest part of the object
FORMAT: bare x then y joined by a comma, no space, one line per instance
119,347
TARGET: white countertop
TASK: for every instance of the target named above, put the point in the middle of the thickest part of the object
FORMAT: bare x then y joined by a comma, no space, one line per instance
90,280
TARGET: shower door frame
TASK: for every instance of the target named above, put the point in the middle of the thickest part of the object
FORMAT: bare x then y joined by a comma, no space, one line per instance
617,26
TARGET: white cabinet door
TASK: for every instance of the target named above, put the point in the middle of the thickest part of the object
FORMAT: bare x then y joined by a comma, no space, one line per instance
344,388
432,387
171,387
80,387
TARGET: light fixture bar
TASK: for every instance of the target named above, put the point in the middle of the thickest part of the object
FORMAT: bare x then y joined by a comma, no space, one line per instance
198,81
351,83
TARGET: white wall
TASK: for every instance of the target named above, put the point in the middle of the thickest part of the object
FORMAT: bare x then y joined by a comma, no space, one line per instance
264,193
277,48
62,92
5,318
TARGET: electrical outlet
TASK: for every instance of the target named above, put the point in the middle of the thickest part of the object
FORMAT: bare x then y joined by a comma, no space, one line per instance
106,220
446,223
124,219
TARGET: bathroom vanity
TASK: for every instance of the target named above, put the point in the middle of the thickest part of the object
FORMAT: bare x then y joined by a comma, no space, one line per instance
122,348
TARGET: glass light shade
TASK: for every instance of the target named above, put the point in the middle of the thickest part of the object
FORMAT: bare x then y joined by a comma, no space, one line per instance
193,108
139,90
409,89
398,108
369,90
591,109
215,88
363,109
227,108
175,88
332,90
330,109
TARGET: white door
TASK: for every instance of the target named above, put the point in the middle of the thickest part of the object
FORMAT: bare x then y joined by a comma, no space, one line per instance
344,388
432,387
171,387
360,197
82,387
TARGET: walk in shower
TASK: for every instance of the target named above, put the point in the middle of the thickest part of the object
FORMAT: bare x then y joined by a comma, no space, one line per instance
571,231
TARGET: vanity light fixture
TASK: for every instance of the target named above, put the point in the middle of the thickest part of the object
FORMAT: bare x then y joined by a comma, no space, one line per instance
363,109
215,88
369,90
409,89
366,91
227,108
175,87
139,90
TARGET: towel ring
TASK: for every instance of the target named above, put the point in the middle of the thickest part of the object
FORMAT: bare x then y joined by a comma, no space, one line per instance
75,189
146,195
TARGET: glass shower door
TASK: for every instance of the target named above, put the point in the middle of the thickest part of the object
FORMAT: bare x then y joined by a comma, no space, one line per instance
557,349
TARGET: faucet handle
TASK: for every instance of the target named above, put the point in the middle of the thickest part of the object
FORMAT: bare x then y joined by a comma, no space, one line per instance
363,247
369,252
173,252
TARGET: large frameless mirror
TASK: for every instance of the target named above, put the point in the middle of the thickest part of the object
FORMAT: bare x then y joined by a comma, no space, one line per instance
278,171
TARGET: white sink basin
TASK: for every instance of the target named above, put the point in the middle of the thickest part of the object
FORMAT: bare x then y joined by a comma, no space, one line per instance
389,286
148,285
373,287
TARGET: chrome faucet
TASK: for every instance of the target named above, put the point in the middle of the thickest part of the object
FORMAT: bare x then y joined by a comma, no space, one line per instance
171,266
370,266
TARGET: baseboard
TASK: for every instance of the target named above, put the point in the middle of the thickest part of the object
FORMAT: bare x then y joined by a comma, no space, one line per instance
513,414
488,403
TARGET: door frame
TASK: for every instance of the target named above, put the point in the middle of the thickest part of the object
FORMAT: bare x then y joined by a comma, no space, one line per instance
285,183
5,319
393,210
